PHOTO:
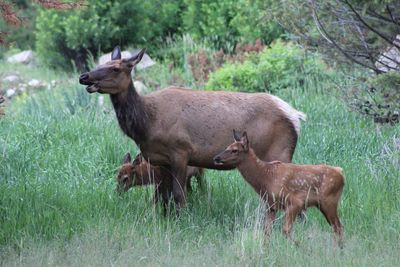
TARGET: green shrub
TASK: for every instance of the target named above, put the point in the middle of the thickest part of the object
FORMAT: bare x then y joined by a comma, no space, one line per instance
280,66
228,22
63,36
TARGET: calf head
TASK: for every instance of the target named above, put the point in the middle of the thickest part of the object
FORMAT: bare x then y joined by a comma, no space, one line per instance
125,176
113,77
234,153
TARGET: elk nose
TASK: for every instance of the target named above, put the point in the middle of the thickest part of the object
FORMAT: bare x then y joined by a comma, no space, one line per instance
84,76
217,160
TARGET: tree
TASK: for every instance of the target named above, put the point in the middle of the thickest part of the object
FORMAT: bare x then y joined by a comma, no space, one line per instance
365,33
10,11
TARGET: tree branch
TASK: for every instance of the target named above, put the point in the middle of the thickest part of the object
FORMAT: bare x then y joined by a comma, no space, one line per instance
383,36
325,34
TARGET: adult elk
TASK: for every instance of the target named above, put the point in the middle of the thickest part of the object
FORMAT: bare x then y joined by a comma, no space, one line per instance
176,127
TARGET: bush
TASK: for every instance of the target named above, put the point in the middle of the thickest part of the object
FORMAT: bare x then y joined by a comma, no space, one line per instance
280,66
379,97
225,23
69,35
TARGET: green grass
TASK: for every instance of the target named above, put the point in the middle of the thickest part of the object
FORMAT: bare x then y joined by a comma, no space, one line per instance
59,155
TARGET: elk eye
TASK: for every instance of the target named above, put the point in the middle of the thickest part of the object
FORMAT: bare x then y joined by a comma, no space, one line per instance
125,179
234,151
115,69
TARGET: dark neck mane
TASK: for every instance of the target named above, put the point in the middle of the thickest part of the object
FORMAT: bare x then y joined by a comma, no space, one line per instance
131,114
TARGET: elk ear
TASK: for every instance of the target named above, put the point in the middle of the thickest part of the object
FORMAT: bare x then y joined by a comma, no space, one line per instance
116,53
236,136
245,141
127,158
138,159
136,58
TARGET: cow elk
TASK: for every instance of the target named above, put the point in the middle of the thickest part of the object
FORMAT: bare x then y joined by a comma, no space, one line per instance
286,186
176,127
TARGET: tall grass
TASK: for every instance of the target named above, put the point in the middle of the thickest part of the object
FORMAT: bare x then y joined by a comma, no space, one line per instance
59,154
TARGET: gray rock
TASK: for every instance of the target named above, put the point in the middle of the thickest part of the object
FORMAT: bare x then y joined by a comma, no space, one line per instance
11,78
22,87
34,83
10,92
140,87
24,57
389,60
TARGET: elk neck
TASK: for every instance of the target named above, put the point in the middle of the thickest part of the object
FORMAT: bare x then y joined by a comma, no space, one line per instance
255,171
131,113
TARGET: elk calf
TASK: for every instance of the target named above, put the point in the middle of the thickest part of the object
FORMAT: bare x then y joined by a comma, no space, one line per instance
140,172
286,186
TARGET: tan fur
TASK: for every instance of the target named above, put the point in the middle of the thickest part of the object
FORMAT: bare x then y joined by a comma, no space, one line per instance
286,186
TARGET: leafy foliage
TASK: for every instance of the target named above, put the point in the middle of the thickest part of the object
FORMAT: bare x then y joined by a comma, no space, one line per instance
280,66
228,22
14,36
64,36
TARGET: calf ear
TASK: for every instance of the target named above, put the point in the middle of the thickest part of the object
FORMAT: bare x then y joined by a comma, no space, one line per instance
245,141
127,158
236,136
116,53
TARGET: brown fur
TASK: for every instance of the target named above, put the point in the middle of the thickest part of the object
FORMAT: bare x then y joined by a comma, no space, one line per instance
139,172
177,127
286,186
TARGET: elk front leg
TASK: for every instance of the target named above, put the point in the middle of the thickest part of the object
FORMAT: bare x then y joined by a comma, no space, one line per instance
178,171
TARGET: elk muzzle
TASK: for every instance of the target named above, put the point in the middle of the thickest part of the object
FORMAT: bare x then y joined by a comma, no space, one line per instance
218,160
85,80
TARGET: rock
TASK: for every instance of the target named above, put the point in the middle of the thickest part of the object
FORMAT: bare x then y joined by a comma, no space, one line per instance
24,57
389,60
11,78
107,57
140,87
10,93
145,62
34,83
22,87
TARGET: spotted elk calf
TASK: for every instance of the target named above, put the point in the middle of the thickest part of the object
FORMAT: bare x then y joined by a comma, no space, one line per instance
286,186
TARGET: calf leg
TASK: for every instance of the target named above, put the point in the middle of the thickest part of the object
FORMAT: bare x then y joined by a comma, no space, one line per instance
269,222
290,215
330,213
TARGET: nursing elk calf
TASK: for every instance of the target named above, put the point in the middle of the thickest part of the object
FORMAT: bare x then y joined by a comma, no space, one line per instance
176,127
286,186
139,172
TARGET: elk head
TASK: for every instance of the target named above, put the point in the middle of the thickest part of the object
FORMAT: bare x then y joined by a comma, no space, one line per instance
113,77
233,154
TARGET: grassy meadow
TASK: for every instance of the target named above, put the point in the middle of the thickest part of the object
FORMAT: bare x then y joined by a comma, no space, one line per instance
60,151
